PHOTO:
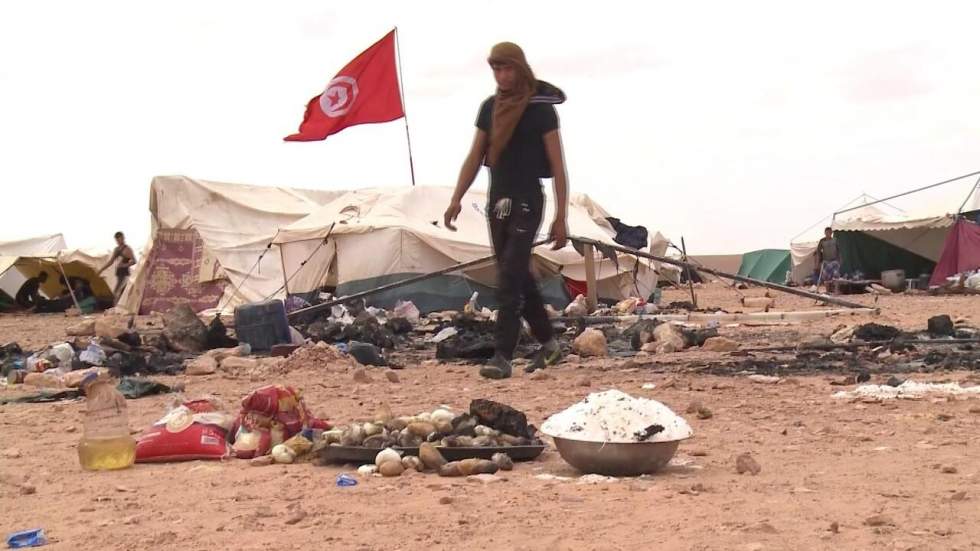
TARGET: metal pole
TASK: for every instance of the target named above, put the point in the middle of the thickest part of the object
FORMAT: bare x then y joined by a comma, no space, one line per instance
397,284
774,286
909,192
401,90
690,281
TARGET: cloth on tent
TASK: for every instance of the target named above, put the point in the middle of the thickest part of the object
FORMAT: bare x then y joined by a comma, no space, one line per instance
634,237
961,252
173,268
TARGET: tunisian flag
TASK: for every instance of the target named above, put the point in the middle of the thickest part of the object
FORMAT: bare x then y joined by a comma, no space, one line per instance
365,91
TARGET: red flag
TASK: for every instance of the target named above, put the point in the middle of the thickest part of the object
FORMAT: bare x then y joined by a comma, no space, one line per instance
365,91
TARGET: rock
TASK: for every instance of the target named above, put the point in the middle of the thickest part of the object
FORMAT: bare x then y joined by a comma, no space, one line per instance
503,461
131,520
694,406
412,463
835,527
500,417
667,348
430,456
261,461
584,381
944,416
12,453
948,469
958,496
668,333
764,379
71,429
894,381
540,375
236,363
649,348
591,343
392,376
445,500
184,330
112,326
720,344
974,409
941,326
84,328
44,380
745,463
27,489
879,520
296,517
450,469
705,413
202,365
421,429
477,466
391,468
299,445
366,354
361,376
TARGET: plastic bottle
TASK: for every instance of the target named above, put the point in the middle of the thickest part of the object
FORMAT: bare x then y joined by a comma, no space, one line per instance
106,443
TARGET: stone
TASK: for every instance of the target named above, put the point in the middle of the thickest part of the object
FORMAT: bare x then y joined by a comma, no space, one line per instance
584,382
948,469
694,406
12,453
591,343
668,333
84,328
27,489
445,500
503,461
879,520
236,363
391,468
667,348
835,527
745,463
361,376
958,496
649,348
261,461
941,326
704,413
112,326
392,376
720,344
202,365
431,457
296,517
764,379
184,330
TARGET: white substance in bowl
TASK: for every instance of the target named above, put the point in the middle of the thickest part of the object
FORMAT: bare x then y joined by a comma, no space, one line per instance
616,417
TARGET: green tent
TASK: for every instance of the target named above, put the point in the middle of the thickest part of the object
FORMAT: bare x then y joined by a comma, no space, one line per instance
766,265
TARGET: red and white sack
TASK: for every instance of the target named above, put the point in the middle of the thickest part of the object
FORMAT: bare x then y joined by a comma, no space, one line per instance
193,430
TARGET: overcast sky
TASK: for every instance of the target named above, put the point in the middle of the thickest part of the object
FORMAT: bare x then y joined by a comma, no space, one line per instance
734,124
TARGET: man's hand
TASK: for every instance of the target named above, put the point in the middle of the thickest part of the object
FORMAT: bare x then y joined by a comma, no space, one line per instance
451,214
559,233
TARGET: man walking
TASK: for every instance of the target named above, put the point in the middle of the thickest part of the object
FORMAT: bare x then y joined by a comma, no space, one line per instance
517,137
126,260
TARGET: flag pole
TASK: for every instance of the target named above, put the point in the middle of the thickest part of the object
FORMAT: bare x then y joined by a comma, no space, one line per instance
401,90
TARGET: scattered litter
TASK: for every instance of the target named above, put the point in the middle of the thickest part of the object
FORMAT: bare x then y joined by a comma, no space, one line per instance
614,416
443,335
596,479
406,310
648,386
27,538
910,390
345,480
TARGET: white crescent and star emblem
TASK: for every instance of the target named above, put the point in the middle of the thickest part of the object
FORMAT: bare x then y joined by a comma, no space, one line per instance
337,99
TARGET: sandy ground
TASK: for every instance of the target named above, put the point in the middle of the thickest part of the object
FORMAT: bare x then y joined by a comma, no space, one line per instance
824,462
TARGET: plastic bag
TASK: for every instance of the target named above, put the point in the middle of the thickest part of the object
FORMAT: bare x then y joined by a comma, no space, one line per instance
193,430
93,355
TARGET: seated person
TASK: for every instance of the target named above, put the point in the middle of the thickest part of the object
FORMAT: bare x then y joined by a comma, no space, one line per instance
79,287
29,294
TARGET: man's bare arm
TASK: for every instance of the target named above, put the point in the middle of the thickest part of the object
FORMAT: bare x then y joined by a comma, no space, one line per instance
115,255
471,166
556,158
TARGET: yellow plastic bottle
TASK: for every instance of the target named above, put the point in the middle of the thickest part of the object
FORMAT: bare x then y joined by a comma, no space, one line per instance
106,443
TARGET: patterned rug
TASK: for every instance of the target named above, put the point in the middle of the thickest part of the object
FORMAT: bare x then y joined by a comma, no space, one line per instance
173,274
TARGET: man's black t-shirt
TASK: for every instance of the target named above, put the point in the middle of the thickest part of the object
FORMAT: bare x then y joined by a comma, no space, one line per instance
29,293
523,162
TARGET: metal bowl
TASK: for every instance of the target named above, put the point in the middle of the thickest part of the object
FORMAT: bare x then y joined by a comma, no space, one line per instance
626,459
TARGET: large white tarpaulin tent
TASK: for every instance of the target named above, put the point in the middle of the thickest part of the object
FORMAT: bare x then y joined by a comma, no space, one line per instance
367,238
207,242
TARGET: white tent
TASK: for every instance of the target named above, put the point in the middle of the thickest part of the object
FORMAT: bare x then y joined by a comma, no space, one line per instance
210,243
367,238
10,251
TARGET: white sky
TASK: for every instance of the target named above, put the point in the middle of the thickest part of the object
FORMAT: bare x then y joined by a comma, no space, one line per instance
734,124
